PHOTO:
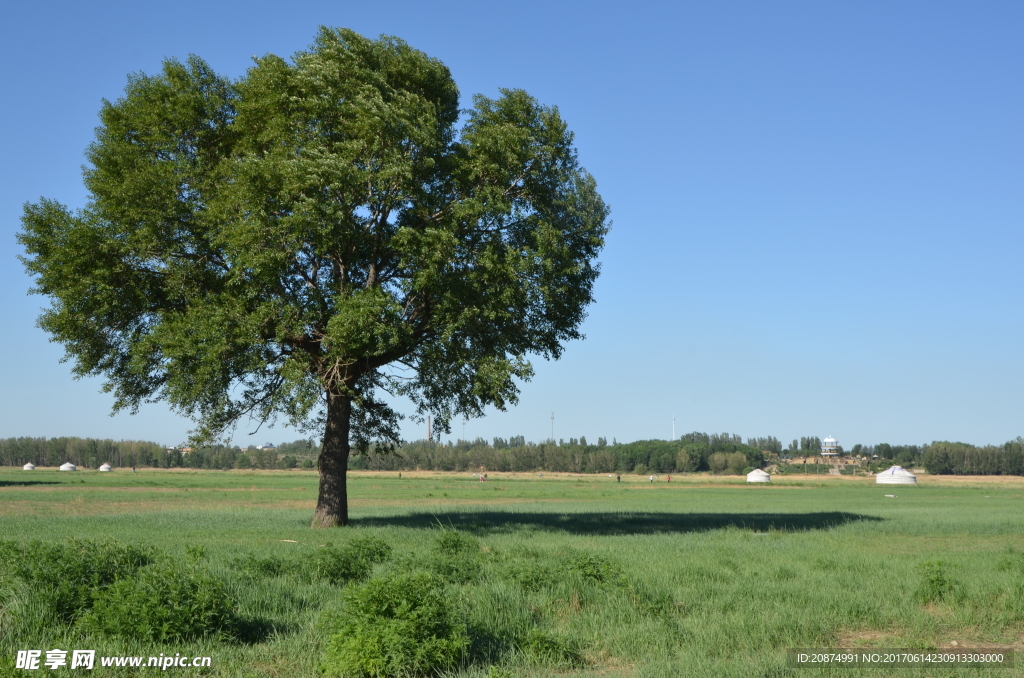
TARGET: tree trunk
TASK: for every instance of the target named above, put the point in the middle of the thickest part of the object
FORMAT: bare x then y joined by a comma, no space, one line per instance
332,503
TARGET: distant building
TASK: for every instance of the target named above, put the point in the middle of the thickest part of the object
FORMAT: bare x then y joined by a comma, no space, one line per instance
266,446
895,475
830,447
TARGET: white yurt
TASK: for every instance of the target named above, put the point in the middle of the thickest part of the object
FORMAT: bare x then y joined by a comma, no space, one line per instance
758,476
29,467
896,475
68,466
106,468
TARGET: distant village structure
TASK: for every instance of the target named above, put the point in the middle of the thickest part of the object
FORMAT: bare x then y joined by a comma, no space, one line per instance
830,447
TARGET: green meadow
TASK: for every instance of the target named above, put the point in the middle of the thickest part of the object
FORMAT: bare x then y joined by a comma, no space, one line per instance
544,575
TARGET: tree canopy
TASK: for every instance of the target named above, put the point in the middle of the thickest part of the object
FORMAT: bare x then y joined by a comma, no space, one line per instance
302,241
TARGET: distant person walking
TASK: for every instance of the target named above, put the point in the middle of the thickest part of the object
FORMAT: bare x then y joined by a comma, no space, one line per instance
669,478
618,479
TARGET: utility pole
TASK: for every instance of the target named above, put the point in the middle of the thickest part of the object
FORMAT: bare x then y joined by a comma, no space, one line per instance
428,428
552,426
673,428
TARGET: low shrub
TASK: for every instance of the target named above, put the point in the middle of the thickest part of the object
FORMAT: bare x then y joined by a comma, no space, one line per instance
594,568
453,543
529,575
398,625
456,557
936,584
66,577
539,647
455,569
352,561
163,602
195,553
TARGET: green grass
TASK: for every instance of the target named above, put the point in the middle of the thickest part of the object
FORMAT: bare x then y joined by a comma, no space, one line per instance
561,575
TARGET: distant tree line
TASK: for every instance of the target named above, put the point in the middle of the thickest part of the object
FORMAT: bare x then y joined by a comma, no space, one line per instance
720,453
903,455
693,452
946,458
84,452
92,452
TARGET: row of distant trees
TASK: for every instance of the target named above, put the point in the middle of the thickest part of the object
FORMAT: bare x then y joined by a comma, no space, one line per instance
92,452
693,452
964,459
718,453
85,452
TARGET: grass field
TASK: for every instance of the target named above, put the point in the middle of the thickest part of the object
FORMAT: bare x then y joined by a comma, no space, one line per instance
563,575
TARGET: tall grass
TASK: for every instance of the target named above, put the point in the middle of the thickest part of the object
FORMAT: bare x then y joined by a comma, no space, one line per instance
555,577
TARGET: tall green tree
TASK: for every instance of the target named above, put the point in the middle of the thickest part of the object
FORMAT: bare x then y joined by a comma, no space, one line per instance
319,233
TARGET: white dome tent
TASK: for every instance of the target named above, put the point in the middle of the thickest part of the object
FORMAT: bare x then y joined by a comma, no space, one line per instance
758,476
68,466
29,467
106,468
896,475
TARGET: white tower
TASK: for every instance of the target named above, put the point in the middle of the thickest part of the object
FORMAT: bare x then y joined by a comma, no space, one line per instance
830,447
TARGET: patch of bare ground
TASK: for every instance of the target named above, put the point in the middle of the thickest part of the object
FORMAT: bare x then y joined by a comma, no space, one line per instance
81,506
454,501
146,489
86,508
611,667
962,481
603,663
961,639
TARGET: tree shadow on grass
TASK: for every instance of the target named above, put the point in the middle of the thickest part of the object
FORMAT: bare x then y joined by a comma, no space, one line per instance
24,483
617,523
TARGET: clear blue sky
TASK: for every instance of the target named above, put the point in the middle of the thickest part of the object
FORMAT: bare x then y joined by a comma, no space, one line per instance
818,207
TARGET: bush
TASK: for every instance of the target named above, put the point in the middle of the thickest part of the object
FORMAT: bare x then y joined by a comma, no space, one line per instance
351,562
400,625
164,602
541,648
936,583
456,557
594,568
453,543
67,576
530,576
